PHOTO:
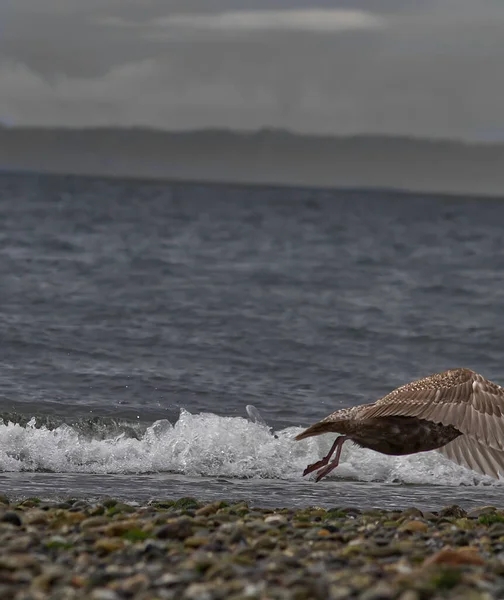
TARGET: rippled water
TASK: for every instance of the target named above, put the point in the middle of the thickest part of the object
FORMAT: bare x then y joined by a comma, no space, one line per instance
138,320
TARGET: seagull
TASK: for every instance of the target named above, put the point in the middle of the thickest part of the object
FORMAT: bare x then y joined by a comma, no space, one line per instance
457,412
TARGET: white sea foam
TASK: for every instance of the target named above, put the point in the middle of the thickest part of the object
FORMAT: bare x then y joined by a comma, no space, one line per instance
211,445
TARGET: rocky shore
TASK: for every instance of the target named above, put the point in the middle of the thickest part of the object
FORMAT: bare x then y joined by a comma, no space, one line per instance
189,550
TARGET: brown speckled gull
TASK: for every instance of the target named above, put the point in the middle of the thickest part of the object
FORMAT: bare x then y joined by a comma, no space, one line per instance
458,413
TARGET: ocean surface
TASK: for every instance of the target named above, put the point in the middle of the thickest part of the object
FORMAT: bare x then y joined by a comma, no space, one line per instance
160,340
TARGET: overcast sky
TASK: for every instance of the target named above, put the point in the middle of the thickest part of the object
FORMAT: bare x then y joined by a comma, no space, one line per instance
421,67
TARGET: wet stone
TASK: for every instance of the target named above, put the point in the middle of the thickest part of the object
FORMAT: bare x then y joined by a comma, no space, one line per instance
134,584
104,594
11,517
49,576
21,543
208,509
195,541
48,505
36,517
384,551
415,526
496,530
275,520
200,591
94,522
483,510
454,511
265,543
109,544
409,595
109,502
186,504
430,516
79,505
120,509
179,530
412,512
381,591
341,592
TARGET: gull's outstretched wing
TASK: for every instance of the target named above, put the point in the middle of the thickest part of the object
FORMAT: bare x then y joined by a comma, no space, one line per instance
459,397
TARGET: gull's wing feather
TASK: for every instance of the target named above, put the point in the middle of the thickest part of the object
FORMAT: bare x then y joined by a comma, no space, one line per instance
459,397
467,452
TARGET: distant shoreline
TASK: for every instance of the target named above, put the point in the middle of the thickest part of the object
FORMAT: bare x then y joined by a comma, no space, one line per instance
266,157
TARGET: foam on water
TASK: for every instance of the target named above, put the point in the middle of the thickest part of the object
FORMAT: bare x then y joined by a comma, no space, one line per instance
211,445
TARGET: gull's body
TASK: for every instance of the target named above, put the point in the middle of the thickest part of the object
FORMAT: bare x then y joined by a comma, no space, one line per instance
457,412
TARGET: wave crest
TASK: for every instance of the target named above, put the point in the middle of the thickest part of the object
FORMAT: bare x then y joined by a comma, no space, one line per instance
206,444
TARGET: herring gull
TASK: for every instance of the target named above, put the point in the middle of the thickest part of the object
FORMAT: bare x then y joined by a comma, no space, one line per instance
457,412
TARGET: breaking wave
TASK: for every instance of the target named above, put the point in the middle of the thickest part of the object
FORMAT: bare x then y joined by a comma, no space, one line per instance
206,444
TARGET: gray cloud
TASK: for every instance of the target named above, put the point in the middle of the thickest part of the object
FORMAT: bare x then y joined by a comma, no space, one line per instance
237,22
434,70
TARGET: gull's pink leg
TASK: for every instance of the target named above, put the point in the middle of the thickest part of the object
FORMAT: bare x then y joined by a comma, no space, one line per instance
323,462
335,462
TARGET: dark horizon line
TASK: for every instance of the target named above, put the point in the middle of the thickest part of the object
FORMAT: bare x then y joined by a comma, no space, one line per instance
160,180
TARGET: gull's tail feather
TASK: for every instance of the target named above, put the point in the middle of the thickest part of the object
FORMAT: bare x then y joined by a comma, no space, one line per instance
317,429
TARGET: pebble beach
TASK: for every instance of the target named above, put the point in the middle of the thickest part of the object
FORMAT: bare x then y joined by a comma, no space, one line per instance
186,549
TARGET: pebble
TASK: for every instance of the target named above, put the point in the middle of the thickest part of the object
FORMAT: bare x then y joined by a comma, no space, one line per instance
455,557
12,517
179,529
104,594
483,510
36,517
94,522
199,591
13,562
414,527
209,509
381,591
195,541
452,512
134,584
409,595
79,505
186,550
412,512
21,543
276,520
120,527
48,578
109,545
